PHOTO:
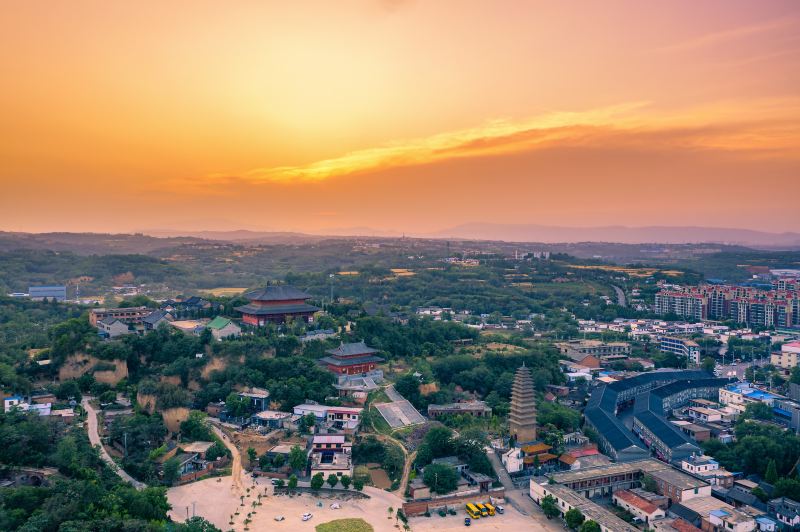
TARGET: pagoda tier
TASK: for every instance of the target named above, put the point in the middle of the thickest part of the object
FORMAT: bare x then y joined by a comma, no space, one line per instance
522,416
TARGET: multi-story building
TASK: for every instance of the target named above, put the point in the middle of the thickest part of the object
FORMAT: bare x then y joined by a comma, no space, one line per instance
678,486
788,357
708,469
131,315
682,347
745,304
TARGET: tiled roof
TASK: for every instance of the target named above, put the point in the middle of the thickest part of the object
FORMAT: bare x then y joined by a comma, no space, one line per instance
276,293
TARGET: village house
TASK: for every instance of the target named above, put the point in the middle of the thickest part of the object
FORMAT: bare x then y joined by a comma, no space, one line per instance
223,328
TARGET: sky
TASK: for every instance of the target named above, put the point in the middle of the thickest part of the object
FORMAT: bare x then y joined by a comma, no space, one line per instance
402,116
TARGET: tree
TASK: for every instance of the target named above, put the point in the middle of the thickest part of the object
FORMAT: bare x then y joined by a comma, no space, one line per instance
440,478
757,411
195,524
280,483
589,526
171,470
69,390
196,428
574,518
345,480
279,460
292,482
550,507
251,455
317,481
358,484
771,475
708,364
649,484
333,480
297,458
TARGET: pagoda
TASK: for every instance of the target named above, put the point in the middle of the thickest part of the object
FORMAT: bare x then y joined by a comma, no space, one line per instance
276,304
522,418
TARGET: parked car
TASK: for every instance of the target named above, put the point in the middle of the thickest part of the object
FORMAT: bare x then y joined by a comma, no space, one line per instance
307,516
467,521
274,481
279,518
499,509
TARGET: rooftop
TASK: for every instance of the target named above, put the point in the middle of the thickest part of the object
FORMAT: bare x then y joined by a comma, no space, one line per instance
636,501
351,349
276,293
676,478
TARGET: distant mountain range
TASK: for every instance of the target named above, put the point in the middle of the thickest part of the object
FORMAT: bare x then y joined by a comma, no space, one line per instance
619,234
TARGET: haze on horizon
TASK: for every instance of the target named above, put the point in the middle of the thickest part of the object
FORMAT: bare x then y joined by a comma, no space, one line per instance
398,116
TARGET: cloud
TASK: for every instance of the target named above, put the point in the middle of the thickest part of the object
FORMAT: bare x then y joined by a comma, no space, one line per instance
759,129
711,39
495,137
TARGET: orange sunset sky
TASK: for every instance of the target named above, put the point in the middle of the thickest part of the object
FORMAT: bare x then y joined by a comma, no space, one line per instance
406,116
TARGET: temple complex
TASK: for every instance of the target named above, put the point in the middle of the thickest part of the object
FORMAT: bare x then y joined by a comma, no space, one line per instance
276,304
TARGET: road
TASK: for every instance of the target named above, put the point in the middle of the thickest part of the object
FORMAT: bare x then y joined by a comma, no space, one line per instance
519,498
621,301
94,439
236,464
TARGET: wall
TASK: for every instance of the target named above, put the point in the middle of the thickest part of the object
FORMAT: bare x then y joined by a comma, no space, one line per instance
420,507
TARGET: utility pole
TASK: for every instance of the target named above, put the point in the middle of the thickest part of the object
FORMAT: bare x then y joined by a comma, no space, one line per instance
125,439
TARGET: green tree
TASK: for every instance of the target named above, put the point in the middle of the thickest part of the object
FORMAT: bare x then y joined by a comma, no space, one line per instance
708,364
333,480
345,480
251,455
292,482
196,427
440,478
574,518
589,526
171,470
550,507
297,458
317,481
358,484
771,475
649,484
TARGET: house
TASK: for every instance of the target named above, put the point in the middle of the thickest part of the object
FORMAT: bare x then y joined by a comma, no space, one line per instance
258,398
417,489
708,469
112,328
152,321
453,462
713,515
197,447
642,509
512,460
330,443
787,511
706,415
680,487
223,328
270,418
337,463
342,417
129,315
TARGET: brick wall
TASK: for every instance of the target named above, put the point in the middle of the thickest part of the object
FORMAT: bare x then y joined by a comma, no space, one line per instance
420,507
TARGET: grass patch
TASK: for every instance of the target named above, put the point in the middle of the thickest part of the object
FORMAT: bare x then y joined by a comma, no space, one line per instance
345,525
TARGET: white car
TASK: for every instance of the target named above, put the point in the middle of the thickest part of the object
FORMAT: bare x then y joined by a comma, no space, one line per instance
307,516
279,518
335,506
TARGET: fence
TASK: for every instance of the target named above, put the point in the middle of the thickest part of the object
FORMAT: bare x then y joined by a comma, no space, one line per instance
420,507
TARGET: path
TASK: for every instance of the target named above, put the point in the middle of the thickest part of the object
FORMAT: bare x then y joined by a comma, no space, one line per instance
409,461
236,464
520,499
621,301
94,439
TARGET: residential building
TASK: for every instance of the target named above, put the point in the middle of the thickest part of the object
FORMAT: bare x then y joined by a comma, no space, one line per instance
129,315
38,293
706,415
152,321
273,419
786,510
708,469
342,417
223,328
276,304
688,349
605,480
642,509
662,437
321,334
788,357
678,486
112,328
567,499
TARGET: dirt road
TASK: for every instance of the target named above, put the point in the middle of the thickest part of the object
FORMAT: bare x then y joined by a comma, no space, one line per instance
94,439
236,462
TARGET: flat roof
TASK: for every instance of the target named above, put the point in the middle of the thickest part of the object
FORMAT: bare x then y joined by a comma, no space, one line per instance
647,465
272,414
197,446
678,479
